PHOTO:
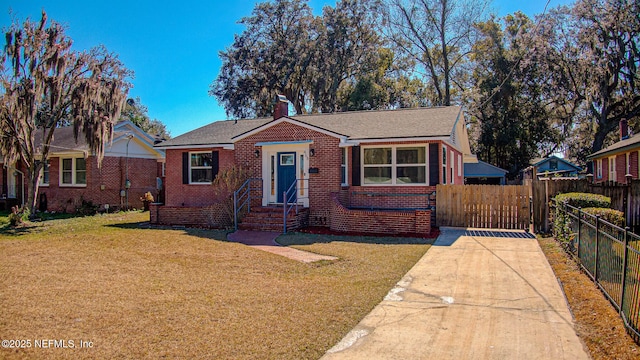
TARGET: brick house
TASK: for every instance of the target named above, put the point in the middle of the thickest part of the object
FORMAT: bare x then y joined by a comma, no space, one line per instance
367,171
615,162
72,174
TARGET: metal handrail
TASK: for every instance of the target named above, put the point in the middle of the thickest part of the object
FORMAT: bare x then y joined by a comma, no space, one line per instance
289,203
287,196
242,198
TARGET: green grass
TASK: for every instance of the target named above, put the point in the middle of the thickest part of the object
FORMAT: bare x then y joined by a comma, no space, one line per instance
140,292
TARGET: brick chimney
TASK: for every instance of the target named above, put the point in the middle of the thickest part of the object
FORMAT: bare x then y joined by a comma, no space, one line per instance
281,107
624,129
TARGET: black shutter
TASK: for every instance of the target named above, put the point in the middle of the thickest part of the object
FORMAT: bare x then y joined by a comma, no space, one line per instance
215,164
355,166
434,169
185,167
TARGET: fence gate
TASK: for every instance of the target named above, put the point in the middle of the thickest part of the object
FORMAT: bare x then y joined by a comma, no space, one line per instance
483,206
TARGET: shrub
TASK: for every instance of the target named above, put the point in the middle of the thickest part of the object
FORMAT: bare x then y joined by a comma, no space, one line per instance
613,216
226,182
562,229
87,208
18,215
584,200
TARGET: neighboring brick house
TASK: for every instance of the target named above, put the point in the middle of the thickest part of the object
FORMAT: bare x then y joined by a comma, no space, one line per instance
367,171
617,161
72,174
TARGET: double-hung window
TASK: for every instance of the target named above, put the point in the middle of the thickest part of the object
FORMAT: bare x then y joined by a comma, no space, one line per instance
613,176
599,168
201,168
44,180
444,164
73,171
343,167
394,165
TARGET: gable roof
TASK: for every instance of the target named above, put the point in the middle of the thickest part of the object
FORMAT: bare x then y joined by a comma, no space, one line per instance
626,144
483,169
539,161
64,141
355,125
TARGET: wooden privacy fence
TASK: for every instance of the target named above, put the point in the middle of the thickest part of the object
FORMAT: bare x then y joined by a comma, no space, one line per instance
483,206
624,197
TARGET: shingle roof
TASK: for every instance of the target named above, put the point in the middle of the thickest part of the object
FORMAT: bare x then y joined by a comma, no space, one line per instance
631,142
483,169
356,125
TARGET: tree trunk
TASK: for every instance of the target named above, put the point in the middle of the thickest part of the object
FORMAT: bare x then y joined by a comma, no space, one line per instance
33,182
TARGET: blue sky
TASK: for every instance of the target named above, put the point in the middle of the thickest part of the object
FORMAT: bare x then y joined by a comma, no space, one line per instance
172,46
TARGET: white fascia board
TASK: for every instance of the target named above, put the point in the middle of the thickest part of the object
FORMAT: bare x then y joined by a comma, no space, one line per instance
290,121
200,146
273,143
412,139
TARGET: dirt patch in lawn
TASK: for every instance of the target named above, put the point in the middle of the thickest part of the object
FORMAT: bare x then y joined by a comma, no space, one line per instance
320,230
135,292
597,322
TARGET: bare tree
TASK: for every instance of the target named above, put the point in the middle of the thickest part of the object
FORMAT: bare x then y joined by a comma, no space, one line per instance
437,35
45,85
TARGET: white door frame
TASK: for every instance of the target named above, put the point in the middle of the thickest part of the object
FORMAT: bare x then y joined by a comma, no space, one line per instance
270,163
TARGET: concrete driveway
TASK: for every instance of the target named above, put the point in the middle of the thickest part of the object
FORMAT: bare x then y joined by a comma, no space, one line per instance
474,295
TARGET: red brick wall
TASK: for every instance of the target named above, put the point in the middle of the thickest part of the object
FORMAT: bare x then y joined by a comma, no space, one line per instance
212,216
327,159
379,222
389,197
179,194
103,184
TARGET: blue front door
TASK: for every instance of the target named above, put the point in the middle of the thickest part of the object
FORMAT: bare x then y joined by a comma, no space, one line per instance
286,174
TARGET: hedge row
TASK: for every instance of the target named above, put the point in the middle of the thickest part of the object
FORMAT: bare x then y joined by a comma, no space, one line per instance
584,200
613,216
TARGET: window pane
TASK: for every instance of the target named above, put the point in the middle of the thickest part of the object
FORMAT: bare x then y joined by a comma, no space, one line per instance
411,175
81,177
67,164
81,164
66,177
343,174
344,156
377,156
201,175
414,155
45,173
201,159
377,175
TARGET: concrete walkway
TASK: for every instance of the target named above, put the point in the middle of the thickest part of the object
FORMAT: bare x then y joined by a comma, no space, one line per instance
473,296
266,241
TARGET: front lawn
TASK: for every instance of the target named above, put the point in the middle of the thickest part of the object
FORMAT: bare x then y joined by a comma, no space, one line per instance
135,292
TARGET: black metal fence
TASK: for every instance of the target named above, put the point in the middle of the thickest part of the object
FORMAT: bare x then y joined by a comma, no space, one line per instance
609,254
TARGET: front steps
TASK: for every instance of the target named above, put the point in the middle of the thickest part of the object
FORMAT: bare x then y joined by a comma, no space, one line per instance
269,218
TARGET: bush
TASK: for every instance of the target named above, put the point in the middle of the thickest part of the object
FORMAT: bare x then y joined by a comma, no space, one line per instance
613,216
562,229
18,215
225,184
584,200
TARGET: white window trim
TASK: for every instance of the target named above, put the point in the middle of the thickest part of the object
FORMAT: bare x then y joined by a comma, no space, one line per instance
394,164
345,166
459,165
74,172
628,163
452,166
612,169
191,182
444,164
42,183
599,168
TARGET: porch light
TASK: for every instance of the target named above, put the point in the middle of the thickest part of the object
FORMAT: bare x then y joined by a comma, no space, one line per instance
312,152
257,153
